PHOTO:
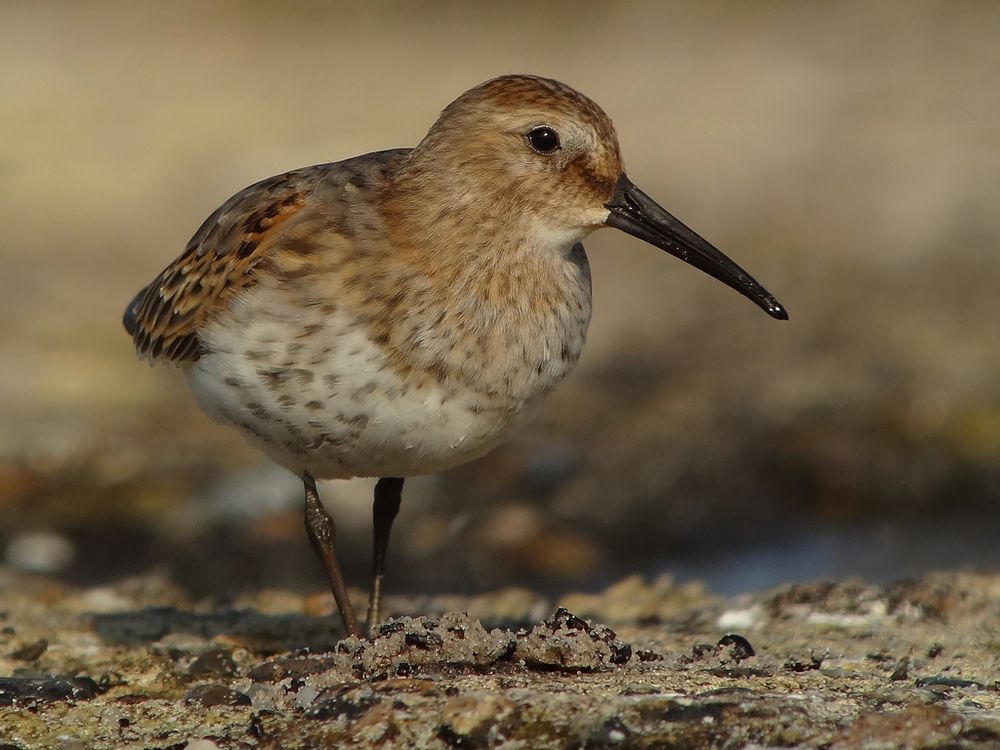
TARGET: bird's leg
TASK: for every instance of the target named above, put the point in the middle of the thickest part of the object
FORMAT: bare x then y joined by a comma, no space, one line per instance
322,536
388,492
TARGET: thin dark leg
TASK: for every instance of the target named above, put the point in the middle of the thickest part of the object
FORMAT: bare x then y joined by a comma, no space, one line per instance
322,535
388,492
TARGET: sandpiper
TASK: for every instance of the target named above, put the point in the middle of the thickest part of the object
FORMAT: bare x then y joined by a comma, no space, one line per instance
401,312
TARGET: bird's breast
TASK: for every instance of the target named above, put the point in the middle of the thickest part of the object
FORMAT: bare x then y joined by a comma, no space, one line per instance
365,387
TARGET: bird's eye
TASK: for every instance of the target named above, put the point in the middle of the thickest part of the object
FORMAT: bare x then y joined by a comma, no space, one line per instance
544,139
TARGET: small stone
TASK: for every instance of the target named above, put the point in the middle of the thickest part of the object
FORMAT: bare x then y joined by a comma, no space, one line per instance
32,691
105,600
213,663
645,654
738,646
216,695
40,552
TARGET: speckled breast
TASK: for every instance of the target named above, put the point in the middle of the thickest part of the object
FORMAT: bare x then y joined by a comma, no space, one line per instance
318,393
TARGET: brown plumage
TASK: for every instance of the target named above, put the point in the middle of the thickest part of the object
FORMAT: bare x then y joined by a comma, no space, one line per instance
221,259
403,311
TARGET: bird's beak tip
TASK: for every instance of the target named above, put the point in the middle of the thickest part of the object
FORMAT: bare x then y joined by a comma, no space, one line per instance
634,212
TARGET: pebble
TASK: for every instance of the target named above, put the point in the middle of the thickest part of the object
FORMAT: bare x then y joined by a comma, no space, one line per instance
213,662
216,695
31,691
39,552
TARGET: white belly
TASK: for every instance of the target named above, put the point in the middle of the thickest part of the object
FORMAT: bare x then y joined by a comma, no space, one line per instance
335,406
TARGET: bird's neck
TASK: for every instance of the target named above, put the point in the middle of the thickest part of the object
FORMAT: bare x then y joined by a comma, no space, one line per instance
457,217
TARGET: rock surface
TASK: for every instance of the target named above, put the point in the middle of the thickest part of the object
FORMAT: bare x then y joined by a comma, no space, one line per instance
137,665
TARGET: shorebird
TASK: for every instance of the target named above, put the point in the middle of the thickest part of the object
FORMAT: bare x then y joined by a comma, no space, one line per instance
401,312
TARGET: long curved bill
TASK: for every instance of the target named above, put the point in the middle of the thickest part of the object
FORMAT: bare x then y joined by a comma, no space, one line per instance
635,212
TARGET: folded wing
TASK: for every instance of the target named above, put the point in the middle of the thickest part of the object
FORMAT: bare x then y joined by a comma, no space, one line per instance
163,319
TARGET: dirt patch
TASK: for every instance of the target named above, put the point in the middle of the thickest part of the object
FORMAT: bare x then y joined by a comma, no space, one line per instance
821,665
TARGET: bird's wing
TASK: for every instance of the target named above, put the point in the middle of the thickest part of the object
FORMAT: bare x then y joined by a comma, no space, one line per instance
219,261
297,211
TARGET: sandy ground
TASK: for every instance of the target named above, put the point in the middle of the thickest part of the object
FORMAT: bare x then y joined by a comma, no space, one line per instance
137,665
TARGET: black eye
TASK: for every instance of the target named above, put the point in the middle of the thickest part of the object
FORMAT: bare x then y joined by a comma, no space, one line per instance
544,139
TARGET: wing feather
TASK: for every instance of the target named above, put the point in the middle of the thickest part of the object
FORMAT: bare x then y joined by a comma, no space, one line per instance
298,211
164,317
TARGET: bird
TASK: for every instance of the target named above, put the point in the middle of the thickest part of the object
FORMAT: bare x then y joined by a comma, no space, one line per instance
402,312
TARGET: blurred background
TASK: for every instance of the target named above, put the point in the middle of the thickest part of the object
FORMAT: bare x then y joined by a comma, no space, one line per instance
847,154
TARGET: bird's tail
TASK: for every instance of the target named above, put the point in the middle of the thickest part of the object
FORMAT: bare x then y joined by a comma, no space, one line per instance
131,317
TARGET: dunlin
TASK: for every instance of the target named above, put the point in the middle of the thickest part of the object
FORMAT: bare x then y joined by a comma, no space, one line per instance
402,312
